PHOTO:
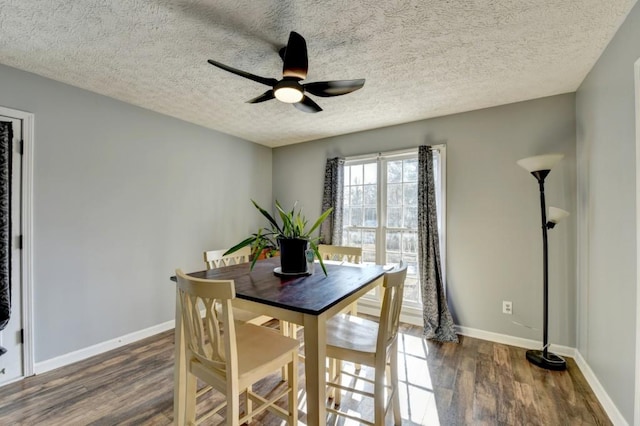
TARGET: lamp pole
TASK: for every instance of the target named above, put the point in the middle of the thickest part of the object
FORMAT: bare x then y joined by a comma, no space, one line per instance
540,167
545,265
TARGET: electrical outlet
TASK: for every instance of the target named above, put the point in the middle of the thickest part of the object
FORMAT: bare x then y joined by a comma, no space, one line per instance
507,307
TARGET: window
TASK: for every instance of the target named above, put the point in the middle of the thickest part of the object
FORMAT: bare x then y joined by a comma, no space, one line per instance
381,213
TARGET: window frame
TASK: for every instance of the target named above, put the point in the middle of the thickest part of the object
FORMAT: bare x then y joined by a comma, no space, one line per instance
370,303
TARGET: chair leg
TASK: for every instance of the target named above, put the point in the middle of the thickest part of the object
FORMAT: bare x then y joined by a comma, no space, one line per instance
284,330
293,333
191,389
378,393
395,399
248,403
332,376
337,399
233,406
293,394
353,310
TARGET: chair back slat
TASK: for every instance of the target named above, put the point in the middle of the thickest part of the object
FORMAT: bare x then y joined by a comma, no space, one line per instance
340,253
391,306
216,258
202,325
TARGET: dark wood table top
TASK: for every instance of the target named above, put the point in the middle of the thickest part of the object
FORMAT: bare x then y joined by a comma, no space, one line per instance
311,294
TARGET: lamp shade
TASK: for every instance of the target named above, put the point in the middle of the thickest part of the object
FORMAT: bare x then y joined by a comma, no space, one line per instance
540,162
556,215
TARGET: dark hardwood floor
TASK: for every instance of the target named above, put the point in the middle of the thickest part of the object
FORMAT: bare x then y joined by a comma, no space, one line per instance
474,382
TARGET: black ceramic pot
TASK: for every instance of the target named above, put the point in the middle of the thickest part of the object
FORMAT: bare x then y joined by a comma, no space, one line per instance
292,255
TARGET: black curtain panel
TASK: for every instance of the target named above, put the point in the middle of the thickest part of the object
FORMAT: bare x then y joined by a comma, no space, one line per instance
331,229
6,136
438,323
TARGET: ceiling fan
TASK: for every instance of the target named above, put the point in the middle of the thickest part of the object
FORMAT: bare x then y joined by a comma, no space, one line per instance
290,89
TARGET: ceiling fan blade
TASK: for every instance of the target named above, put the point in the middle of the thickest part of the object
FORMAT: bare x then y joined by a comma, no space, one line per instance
256,78
266,96
333,88
296,62
307,105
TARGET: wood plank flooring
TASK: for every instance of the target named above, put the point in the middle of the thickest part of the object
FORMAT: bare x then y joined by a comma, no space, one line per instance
474,382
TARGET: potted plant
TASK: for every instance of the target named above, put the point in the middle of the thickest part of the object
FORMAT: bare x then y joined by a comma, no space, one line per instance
293,238
266,250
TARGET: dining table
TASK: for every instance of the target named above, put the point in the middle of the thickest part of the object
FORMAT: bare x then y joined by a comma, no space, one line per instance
306,300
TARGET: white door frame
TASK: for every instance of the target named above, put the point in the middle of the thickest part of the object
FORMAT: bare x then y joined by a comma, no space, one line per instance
27,234
636,415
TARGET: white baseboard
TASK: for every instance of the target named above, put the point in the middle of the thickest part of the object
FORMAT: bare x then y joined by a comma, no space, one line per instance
612,411
82,354
514,341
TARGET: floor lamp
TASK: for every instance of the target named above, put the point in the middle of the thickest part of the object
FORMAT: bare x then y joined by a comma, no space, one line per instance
539,167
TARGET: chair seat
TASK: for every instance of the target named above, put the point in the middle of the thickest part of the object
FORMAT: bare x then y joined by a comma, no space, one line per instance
352,338
260,352
261,347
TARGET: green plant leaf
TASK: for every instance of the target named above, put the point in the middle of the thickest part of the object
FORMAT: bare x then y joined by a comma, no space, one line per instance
288,227
241,244
314,247
321,219
261,246
268,216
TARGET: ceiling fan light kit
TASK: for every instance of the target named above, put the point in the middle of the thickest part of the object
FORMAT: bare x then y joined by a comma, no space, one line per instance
289,89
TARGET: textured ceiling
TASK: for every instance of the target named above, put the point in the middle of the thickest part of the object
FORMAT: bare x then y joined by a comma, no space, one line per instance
420,59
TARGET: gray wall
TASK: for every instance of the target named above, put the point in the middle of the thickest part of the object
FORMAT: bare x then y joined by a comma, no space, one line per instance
606,142
123,196
494,243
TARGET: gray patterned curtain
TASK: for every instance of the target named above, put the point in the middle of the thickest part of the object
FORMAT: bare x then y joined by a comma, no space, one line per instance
438,323
331,229
6,137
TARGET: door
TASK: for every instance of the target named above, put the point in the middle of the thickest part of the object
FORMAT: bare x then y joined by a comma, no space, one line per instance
12,361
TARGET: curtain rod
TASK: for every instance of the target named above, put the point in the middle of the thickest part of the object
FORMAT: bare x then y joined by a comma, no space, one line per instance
390,153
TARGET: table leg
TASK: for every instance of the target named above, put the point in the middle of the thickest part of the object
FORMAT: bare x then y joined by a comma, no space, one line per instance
179,369
315,337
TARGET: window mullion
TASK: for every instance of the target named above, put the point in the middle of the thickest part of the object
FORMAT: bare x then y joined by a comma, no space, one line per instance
381,252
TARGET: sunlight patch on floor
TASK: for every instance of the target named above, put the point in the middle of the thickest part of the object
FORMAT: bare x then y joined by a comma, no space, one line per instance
417,398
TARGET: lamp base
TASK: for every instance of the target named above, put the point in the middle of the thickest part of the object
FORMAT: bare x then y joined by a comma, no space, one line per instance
550,362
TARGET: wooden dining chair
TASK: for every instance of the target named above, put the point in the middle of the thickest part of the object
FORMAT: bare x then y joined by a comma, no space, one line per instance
216,259
340,253
232,361
375,344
